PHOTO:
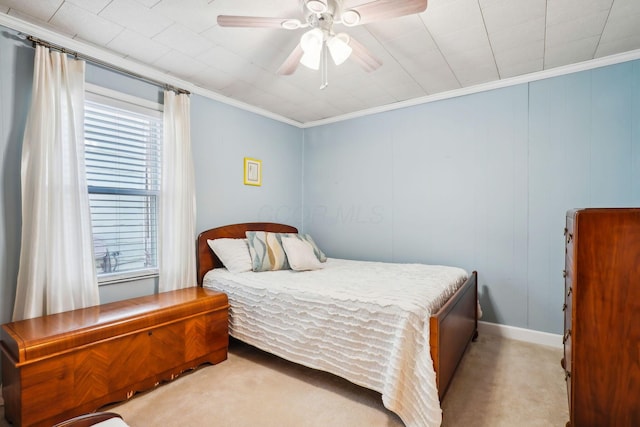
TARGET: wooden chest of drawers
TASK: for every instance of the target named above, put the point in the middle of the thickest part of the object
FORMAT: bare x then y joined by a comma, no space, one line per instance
59,366
602,317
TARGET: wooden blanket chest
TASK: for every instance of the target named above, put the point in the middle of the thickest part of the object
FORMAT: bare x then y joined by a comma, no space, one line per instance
59,366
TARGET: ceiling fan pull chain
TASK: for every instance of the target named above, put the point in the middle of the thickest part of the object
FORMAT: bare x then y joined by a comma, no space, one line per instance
324,72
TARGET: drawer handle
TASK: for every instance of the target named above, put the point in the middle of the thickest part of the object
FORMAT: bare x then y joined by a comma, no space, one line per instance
566,336
569,291
564,307
567,375
569,237
564,273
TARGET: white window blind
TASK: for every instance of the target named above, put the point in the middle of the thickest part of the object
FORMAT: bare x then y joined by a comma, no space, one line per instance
122,153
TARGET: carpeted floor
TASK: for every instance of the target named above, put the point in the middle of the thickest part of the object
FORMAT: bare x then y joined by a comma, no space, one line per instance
500,382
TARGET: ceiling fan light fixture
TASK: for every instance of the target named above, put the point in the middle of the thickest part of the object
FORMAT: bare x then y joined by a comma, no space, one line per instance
316,6
339,48
311,44
311,60
312,40
350,18
291,24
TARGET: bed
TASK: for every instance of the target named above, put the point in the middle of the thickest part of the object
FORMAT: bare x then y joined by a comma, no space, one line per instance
403,376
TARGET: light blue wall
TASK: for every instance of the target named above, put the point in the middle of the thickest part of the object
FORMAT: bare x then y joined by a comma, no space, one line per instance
481,181
16,72
222,137
584,151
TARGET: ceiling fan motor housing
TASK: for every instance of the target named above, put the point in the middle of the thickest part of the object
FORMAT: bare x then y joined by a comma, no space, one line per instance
329,10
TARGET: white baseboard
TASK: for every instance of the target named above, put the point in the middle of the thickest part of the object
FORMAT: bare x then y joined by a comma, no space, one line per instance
520,334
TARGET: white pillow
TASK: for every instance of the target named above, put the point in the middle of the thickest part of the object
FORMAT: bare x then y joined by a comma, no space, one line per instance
234,253
300,254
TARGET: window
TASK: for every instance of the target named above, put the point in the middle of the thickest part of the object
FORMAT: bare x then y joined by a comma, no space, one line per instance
122,154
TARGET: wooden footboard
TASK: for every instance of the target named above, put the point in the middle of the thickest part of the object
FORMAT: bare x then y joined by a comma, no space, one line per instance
452,328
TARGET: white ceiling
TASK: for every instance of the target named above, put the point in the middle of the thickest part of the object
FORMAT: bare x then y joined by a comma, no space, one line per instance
454,44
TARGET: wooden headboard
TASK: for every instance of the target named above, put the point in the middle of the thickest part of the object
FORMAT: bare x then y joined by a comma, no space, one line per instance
207,260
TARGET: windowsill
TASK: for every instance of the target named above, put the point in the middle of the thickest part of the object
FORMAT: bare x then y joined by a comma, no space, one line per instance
110,279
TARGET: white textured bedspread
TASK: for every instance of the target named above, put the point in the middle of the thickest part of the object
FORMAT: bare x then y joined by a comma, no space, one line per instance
367,322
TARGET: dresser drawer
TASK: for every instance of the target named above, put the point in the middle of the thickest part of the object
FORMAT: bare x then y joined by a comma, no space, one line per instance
567,364
567,361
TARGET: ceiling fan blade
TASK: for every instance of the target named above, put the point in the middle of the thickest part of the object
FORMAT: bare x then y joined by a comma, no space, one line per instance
363,56
291,63
387,9
251,21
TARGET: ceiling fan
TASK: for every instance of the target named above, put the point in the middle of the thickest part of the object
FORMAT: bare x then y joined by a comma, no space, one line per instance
320,40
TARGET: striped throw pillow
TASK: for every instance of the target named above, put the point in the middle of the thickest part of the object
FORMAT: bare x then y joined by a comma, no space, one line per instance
267,253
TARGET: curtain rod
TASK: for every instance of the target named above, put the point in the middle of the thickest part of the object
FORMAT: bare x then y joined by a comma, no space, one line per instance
37,41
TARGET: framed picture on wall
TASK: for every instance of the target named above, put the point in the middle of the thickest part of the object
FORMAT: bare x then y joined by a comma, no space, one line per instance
252,171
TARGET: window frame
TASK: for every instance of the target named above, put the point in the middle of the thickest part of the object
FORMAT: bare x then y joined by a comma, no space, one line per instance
128,102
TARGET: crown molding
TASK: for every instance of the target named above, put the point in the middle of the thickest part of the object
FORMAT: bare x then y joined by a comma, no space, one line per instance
28,28
136,68
511,81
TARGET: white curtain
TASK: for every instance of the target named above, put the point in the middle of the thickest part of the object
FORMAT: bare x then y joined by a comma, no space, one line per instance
57,269
177,198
